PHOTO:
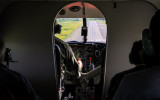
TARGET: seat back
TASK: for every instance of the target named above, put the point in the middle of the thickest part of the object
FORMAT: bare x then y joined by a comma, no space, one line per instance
58,70
6,94
58,60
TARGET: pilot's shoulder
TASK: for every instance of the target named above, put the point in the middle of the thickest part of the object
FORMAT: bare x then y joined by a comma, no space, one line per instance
61,43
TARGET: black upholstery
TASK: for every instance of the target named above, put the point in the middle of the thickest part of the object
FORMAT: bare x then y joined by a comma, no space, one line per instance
6,94
58,68
58,59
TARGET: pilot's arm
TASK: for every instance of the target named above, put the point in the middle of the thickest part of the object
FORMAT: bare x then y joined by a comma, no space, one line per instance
74,65
68,61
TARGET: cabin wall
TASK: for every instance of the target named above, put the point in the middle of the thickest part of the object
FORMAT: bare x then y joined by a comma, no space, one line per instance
125,24
29,29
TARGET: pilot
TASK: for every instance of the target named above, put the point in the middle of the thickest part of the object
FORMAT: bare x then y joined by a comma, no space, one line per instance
136,58
144,85
68,61
13,85
71,68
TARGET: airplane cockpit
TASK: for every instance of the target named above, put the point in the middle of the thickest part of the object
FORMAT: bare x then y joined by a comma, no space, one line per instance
85,31
100,34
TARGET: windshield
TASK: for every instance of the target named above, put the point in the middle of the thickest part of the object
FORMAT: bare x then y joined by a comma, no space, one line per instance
71,29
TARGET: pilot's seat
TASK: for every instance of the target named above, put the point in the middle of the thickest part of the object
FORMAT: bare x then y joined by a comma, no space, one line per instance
58,71
58,60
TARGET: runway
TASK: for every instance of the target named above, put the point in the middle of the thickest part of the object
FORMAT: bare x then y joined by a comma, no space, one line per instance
97,32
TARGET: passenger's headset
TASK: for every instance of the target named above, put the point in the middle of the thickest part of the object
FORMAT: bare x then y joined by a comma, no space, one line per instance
147,44
57,28
8,56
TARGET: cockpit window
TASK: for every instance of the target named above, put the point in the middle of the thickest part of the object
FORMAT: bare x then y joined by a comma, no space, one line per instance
71,29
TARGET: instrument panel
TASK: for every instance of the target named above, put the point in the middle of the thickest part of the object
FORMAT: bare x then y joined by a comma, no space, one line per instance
89,53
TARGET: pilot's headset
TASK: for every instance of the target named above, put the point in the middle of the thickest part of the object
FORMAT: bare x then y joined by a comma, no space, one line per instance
57,28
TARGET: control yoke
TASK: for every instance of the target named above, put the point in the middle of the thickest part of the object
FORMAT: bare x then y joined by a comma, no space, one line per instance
93,73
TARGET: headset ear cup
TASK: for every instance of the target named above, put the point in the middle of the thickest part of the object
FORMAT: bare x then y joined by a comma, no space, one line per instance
8,55
146,41
55,29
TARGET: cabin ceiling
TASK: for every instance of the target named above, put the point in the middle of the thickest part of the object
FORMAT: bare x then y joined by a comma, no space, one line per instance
5,3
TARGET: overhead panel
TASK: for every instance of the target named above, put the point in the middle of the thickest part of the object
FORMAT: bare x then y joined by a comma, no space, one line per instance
91,11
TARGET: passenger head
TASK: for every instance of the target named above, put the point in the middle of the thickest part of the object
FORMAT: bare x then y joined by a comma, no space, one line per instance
57,28
151,37
2,51
151,41
155,32
136,54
